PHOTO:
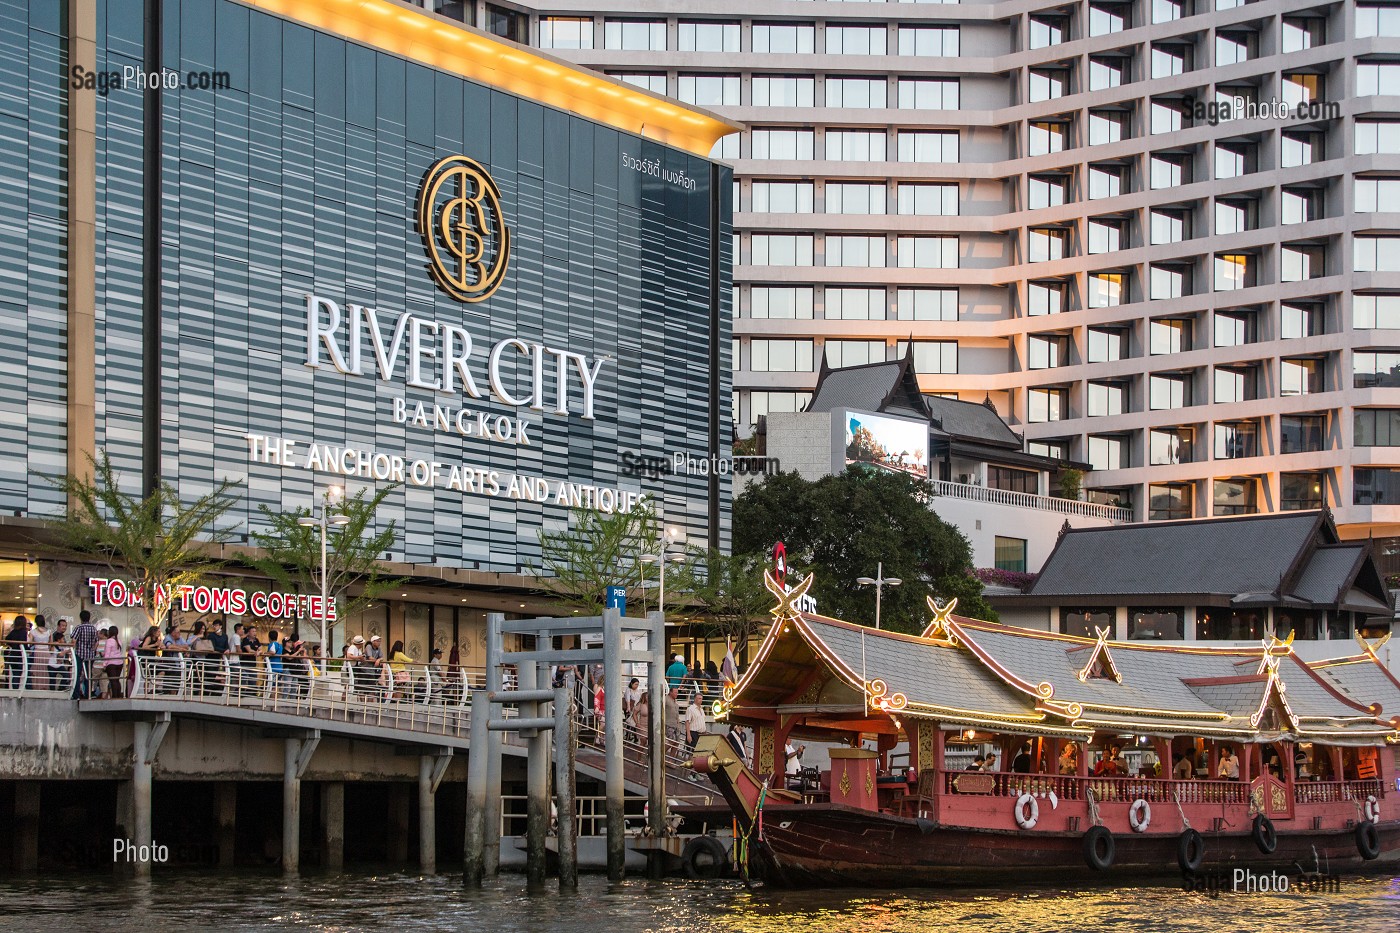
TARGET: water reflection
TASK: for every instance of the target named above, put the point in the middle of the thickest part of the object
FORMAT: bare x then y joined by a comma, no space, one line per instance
224,900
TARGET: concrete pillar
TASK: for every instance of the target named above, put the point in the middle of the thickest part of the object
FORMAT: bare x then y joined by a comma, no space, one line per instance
564,745
397,815
333,825
656,742
26,826
614,786
474,841
427,817
495,646
291,807
225,814
141,796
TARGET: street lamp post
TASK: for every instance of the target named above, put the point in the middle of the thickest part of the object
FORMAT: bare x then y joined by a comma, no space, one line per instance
669,537
879,581
333,497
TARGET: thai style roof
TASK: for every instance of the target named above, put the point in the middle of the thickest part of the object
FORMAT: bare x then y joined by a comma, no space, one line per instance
964,672
1363,678
887,388
1287,559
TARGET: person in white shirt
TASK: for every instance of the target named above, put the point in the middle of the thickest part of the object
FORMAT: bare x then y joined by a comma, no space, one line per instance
792,758
39,660
695,725
1229,765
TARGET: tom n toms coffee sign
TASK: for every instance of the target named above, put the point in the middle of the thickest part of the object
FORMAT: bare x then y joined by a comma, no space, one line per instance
454,374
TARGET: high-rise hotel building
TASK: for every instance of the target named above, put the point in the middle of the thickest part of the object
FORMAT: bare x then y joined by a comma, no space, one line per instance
1161,236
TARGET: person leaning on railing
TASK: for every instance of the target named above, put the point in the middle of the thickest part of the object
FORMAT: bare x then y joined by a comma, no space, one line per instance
60,656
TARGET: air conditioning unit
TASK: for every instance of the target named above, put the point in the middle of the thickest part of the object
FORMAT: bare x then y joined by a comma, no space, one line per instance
967,479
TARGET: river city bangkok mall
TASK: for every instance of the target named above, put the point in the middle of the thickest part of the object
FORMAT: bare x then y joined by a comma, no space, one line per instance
353,244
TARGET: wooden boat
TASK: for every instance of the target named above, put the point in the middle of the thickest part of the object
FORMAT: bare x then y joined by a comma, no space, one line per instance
1316,751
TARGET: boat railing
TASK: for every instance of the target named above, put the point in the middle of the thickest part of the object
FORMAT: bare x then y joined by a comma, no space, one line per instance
1073,787
1336,791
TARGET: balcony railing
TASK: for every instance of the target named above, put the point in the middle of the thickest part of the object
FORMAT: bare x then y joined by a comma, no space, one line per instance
1027,500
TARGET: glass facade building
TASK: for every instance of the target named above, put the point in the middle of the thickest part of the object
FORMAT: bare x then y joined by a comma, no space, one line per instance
217,211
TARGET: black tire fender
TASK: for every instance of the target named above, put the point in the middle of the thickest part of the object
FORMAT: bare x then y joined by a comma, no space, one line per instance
1099,848
1190,851
1368,840
704,857
1265,836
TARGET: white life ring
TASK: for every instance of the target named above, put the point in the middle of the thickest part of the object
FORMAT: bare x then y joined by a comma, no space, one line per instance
1024,820
1139,815
1373,809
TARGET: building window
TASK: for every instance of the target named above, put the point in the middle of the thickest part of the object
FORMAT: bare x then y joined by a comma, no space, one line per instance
1299,88
857,93
1302,376
1169,60
1233,216
709,90
1169,446
1236,495
1106,399
784,91
926,252
841,353
1231,48
780,356
1047,31
1375,137
1377,78
1234,271
1047,405
1233,385
1232,161
1168,170
1377,253
1301,320
1011,554
927,200
726,148
1300,148
1105,289
784,38
1012,480
928,93
1046,243
1107,126
1299,262
782,197
1165,11
1300,492
1375,195
508,24
859,252
1167,226
635,35
1375,312
782,249
1167,391
1377,427
566,32
855,40
929,41
1375,486
788,145
1108,452
656,83
1047,351
1107,344
1302,434
1234,329
927,304
1106,18
1373,369
1048,83
1300,205
1105,181
1046,136
1156,624
1236,440
1107,72
1169,335
1054,449
1303,32
710,37
855,198
926,146
1375,20
780,301
1049,298
1105,235
1168,282
931,357
765,403
1167,116
854,304
1169,501
855,145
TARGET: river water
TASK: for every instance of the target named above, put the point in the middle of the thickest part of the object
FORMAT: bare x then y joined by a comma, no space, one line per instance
243,900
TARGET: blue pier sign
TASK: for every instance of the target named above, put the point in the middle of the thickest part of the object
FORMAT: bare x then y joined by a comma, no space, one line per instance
617,598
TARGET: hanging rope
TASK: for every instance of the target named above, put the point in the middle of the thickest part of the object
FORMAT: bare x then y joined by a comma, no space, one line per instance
741,841
1176,795
1094,819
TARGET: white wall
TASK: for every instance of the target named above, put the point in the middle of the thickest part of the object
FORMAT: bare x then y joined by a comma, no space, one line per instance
982,522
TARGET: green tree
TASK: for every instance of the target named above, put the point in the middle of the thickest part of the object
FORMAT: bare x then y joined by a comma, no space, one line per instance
291,554
156,542
843,526
597,550
726,592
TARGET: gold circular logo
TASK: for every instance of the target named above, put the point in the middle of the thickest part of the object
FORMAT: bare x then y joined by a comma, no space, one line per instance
463,228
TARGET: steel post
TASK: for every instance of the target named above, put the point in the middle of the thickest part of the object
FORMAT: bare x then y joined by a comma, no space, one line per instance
612,742
495,647
564,781
656,726
478,770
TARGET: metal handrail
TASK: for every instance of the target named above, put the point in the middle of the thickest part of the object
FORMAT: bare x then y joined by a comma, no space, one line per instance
1029,500
21,675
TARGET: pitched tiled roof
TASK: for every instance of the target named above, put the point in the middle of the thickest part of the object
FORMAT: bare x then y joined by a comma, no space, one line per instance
878,387
971,420
1326,572
1218,556
1361,679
